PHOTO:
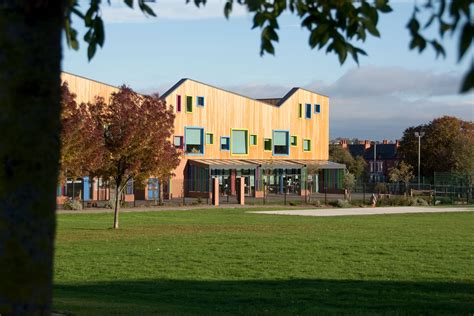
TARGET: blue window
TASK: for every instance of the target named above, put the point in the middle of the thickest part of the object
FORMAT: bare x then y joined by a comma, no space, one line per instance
308,111
194,140
200,101
281,143
317,108
225,143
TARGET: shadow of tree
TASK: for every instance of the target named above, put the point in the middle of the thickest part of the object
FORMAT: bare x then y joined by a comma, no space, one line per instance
296,297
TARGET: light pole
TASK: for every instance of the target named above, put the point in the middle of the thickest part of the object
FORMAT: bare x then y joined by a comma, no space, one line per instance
419,135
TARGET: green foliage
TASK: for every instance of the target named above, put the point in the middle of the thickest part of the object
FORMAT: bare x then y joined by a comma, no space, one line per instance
380,187
214,260
72,204
349,181
402,173
357,166
418,201
447,139
332,25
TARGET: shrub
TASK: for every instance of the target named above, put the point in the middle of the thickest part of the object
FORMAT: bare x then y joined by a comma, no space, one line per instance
380,187
343,203
73,205
292,203
317,203
443,200
418,201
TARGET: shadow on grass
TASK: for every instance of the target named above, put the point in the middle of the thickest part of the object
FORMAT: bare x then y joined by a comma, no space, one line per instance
307,297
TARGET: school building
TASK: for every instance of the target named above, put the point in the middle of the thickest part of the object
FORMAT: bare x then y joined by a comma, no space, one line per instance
278,144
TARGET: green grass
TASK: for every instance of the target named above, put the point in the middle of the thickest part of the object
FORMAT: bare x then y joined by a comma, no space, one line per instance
231,262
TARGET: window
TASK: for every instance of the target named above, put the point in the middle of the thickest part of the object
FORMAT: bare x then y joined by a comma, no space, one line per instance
317,108
300,110
225,143
294,141
308,111
209,139
178,103
178,141
281,144
253,140
189,104
239,142
267,144
200,101
194,138
306,144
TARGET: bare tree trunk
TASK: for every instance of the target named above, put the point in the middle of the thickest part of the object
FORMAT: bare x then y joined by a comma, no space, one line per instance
30,55
160,192
117,205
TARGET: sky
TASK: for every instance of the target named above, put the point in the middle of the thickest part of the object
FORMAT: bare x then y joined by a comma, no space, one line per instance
391,89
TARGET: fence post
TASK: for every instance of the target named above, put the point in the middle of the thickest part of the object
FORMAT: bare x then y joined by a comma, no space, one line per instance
325,195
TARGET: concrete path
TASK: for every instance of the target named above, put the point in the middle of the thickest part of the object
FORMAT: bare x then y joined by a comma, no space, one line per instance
368,211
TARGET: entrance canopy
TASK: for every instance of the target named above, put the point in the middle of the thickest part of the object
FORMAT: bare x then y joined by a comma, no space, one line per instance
229,164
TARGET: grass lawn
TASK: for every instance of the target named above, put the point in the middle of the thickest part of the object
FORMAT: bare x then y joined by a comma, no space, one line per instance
230,262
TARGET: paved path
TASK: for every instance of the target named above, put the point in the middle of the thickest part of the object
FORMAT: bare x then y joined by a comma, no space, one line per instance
368,211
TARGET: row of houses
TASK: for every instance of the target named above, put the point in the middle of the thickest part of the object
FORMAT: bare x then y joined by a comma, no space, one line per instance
281,144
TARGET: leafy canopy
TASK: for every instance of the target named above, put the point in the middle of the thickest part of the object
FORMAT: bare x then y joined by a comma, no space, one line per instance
332,25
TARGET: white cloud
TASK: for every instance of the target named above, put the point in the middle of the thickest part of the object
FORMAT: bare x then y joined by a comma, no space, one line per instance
118,12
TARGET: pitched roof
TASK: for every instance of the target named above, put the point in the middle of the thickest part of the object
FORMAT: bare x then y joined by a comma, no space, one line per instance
263,101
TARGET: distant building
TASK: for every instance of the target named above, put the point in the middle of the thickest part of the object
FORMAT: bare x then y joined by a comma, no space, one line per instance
380,158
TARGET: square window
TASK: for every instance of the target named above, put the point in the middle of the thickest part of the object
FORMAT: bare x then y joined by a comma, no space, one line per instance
225,143
307,145
253,140
209,138
178,103
178,141
294,141
239,143
308,111
281,144
267,144
189,104
194,138
200,101
317,108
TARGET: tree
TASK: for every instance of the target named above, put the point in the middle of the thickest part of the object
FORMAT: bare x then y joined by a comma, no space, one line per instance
136,131
357,166
447,146
30,55
349,183
81,139
402,173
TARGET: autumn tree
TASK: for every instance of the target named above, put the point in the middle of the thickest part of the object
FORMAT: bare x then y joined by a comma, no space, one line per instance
447,146
136,131
402,173
81,138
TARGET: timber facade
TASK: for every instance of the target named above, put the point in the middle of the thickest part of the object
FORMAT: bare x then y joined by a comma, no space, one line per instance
275,145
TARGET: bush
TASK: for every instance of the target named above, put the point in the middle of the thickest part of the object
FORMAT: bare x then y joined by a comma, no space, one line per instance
292,203
72,205
443,200
317,203
343,203
393,201
380,187
418,201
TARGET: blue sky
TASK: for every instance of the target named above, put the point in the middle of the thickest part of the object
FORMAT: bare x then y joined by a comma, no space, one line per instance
391,89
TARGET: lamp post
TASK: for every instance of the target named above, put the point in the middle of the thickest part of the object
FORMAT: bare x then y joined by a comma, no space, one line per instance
419,135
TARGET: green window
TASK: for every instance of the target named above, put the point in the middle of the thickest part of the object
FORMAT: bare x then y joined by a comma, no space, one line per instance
239,142
267,144
209,138
225,141
253,140
307,145
294,141
300,110
189,104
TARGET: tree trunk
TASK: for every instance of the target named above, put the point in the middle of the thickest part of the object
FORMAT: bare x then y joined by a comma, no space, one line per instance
30,55
117,204
160,192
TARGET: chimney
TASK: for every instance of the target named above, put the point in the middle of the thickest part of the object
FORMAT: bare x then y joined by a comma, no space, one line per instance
343,143
397,143
366,144
385,142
